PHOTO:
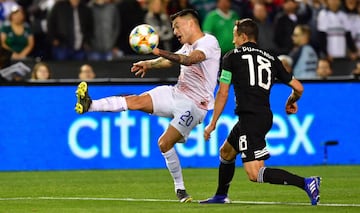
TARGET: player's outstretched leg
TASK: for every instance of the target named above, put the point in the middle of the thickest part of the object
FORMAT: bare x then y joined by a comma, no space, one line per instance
312,188
83,98
183,196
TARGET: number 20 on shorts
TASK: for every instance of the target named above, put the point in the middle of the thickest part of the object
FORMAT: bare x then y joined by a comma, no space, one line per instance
186,119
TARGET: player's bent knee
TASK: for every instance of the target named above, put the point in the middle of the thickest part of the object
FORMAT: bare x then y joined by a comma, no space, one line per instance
164,146
226,155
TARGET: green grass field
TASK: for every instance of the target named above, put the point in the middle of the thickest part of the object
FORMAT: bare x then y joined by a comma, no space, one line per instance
152,191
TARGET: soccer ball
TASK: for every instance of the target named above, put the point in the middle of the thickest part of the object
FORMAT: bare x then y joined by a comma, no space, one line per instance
143,39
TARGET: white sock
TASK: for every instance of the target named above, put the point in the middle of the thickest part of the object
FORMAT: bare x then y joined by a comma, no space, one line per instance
109,104
173,164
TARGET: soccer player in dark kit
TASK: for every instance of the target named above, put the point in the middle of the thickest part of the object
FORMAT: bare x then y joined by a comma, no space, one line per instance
252,71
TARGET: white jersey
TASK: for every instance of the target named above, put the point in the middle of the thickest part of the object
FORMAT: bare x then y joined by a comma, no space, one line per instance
198,81
335,25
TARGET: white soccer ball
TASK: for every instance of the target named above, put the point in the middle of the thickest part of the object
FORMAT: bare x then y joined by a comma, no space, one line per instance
143,39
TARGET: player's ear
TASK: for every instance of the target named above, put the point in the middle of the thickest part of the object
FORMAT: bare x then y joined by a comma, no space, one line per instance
191,23
244,37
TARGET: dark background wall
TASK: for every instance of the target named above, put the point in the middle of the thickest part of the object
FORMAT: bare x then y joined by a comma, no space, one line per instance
119,70
105,69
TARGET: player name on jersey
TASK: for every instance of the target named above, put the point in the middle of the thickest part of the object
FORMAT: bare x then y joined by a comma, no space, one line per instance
251,49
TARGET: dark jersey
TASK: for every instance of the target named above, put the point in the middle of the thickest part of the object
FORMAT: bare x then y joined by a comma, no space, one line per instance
253,74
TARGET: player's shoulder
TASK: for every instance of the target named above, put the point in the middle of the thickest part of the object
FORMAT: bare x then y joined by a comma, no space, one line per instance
232,52
209,38
208,41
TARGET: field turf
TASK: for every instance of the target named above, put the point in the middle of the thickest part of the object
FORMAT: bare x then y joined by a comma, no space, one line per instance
152,191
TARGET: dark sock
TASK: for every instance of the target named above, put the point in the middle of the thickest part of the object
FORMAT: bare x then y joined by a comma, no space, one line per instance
279,176
226,174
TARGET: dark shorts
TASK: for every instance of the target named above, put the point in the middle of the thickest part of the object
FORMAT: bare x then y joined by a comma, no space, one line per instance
248,136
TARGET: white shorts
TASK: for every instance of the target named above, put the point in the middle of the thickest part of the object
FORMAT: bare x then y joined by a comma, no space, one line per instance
185,114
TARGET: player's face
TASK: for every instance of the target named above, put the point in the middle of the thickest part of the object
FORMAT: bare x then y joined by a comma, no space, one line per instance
181,29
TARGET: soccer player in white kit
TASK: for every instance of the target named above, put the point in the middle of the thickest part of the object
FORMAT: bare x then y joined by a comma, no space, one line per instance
186,102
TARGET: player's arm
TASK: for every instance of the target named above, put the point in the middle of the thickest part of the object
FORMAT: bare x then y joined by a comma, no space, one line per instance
166,59
194,57
140,68
297,90
220,101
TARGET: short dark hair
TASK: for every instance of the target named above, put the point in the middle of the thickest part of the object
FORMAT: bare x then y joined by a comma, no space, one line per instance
186,12
248,27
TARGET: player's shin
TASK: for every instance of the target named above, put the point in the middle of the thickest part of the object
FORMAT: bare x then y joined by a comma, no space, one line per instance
109,104
279,176
174,167
226,174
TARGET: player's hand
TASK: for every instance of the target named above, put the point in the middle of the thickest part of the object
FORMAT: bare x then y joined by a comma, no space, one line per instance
140,68
291,108
156,51
208,129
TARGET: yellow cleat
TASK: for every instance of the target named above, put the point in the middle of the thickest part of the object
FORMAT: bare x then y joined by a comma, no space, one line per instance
183,196
83,98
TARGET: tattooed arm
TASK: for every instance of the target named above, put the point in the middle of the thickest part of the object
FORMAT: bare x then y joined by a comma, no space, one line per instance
140,68
194,57
160,62
165,60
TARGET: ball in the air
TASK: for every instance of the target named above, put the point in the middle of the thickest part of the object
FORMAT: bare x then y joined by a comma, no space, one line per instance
143,39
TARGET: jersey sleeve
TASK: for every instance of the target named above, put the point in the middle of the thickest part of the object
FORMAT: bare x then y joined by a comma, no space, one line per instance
281,74
226,63
208,45
226,71
181,50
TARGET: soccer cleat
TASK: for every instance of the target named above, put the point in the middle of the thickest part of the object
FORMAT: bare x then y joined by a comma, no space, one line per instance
83,98
312,188
216,199
183,196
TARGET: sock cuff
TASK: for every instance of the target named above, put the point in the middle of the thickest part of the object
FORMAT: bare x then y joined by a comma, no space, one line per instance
169,153
123,103
222,160
260,178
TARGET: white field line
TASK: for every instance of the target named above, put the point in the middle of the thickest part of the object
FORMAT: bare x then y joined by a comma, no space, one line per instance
163,200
